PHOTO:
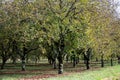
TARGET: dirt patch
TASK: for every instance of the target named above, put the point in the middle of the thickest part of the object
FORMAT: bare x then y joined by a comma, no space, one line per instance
41,77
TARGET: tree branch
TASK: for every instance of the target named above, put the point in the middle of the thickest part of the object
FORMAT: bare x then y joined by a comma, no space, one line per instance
70,9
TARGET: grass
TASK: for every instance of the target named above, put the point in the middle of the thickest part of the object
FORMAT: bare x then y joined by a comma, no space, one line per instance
13,77
99,74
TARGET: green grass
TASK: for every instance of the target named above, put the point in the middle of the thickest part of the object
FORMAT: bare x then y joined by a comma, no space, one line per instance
91,75
13,77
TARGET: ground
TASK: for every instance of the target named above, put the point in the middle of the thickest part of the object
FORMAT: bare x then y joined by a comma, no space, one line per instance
44,71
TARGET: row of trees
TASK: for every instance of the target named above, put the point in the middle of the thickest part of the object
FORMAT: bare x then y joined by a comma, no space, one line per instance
58,28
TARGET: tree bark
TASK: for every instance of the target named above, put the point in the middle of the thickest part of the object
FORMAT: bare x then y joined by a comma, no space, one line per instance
74,61
60,49
3,63
86,61
54,64
111,61
23,57
60,65
67,59
118,60
77,60
102,61
49,60
96,59
13,60
87,64
23,63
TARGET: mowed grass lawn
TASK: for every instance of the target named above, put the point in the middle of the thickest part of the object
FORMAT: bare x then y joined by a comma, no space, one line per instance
13,72
112,73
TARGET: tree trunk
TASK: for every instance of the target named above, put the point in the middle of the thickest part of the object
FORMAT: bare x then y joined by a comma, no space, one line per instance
102,61
13,60
23,63
49,61
77,60
60,49
87,64
67,59
74,61
3,63
111,61
96,59
54,64
87,56
60,65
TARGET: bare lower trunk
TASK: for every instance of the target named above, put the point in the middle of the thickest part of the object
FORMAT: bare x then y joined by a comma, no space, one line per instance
60,65
13,60
111,61
87,64
23,63
74,61
96,59
60,70
3,63
67,59
54,64
77,60
102,61
49,61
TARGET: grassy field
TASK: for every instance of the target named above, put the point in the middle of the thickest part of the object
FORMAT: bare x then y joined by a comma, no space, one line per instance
108,73
46,72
